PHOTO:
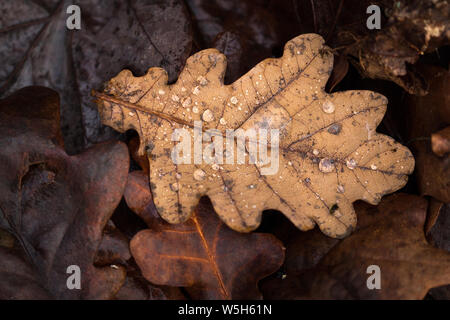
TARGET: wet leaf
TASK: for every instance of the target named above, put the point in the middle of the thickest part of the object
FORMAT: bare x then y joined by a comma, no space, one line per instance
330,153
55,205
203,255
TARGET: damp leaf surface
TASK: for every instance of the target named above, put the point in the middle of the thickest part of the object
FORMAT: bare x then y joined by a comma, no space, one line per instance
330,154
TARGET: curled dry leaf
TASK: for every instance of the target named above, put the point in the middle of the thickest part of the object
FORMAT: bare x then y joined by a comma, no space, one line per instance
390,236
203,255
329,154
55,205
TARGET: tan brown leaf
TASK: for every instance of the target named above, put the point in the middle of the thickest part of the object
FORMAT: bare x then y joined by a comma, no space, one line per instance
330,153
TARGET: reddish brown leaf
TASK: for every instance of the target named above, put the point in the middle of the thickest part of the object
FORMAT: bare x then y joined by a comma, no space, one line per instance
391,236
212,261
54,204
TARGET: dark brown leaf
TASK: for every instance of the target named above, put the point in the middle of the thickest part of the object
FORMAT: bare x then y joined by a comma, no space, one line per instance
391,236
36,47
54,204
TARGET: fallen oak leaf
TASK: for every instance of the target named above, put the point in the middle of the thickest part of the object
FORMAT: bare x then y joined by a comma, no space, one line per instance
202,254
330,153
55,205
391,236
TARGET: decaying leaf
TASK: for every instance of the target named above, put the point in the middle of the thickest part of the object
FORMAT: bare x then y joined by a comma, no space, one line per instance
55,205
390,235
330,154
202,254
